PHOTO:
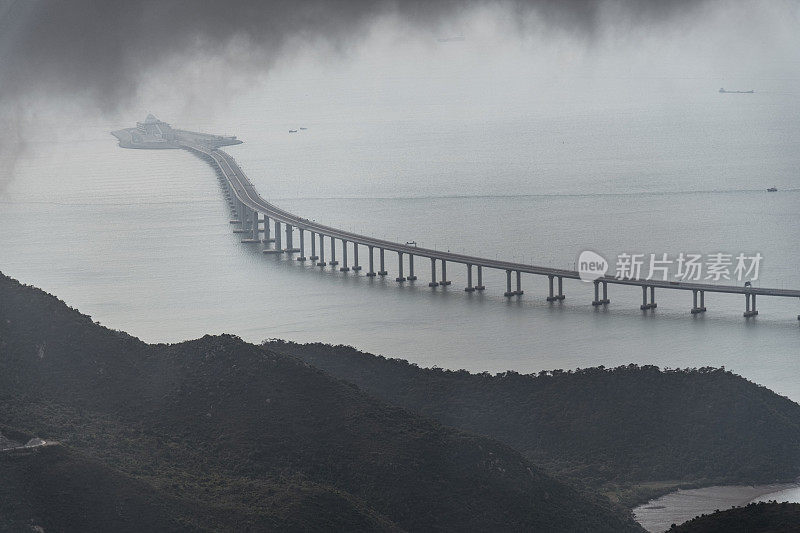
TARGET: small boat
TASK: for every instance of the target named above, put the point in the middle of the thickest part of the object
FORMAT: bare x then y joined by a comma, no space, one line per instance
292,131
772,189
724,91
303,128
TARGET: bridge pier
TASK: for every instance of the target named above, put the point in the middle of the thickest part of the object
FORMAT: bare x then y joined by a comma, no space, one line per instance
321,262
290,239
276,240
748,310
382,271
302,232
519,291
235,212
371,252
266,238
508,292
277,236
242,219
479,286
411,276
400,277
344,267
645,305
469,287
560,296
333,261
252,222
356,266
444,281
597,300
314,255
698,308
433,282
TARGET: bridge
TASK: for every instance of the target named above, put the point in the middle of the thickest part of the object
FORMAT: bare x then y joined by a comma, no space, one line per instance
264,223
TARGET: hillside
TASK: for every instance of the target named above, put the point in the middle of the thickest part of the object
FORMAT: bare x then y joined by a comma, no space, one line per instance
761,517
257,439
607,427
58,489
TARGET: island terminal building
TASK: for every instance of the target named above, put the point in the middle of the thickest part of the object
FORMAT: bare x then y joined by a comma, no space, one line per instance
155,134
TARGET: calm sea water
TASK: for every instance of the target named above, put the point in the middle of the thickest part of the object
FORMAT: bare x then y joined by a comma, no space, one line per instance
140,240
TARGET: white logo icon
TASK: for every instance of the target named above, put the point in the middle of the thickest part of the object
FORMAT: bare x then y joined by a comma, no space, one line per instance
591,266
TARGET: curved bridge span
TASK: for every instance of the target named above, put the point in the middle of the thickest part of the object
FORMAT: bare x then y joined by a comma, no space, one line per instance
255,215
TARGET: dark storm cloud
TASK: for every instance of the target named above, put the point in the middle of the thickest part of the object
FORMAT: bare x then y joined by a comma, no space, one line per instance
98,50
95,53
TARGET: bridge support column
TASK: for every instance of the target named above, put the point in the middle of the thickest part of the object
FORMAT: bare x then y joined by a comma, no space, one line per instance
302,232
266,238
333,261
371,252
235,212
314,255
433,282
277,235
600,301
560,288
597,300
519,291
400,277
698,308
289,238
479,286
321,262
508,292
444,281
411,276
552,297
750,311
344,267
382,271
645,305
242,219
251,227
469,287
356,266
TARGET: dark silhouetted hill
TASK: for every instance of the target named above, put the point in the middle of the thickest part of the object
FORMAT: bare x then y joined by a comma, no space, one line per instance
58,489
761,517
260,440
623,425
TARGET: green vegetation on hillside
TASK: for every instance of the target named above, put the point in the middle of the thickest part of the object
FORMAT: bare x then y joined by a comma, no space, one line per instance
253,439
609,428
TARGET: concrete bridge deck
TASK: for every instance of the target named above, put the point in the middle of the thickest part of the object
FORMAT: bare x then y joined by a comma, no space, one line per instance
248,204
